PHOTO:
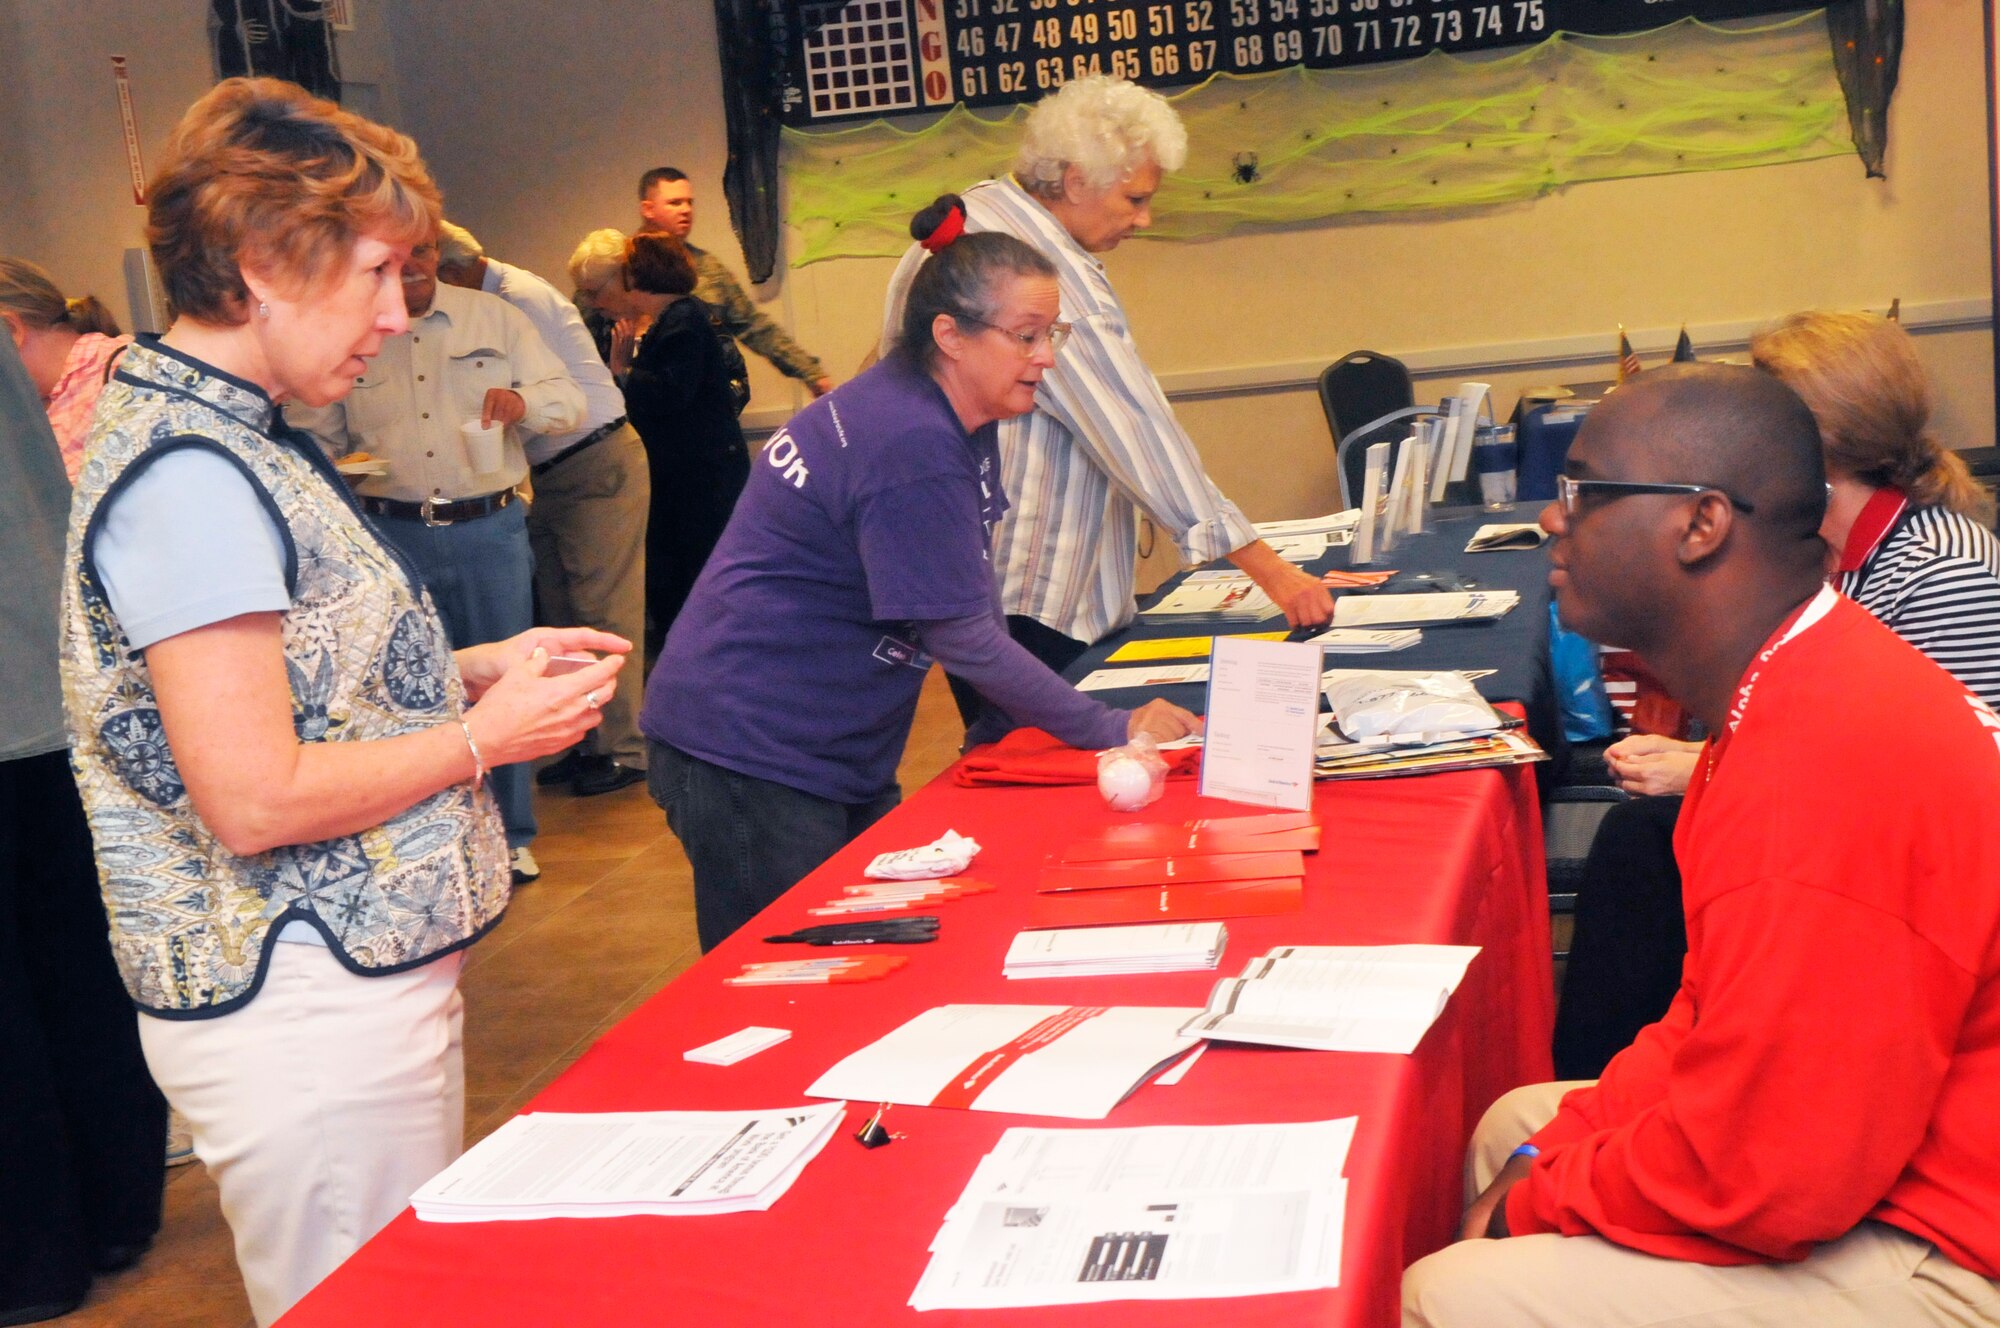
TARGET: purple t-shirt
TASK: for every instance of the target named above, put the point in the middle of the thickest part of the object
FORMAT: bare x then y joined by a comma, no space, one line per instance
795,659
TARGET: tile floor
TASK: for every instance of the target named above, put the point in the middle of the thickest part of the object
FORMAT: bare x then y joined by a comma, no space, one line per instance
610,922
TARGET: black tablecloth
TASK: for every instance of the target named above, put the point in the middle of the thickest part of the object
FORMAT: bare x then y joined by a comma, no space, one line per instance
1516,647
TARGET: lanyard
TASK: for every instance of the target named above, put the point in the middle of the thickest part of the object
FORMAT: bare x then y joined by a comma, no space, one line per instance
1885,507
1811,612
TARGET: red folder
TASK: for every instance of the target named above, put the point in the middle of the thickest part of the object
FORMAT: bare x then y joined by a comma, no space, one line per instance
1262,824
1148,841
1169,903
1177,869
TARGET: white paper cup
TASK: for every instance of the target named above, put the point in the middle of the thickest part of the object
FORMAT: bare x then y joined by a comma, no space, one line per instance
485,448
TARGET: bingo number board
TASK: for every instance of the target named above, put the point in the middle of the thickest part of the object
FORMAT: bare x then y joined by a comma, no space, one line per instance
858,59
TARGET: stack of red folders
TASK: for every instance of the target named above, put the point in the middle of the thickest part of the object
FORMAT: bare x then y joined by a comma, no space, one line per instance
1216,867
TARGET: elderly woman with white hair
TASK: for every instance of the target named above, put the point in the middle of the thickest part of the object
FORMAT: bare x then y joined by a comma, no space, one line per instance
1102,443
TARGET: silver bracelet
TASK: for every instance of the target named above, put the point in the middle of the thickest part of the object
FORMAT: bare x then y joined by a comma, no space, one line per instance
478,761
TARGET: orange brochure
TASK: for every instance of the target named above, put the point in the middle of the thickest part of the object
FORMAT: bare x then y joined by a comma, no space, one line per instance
1177,869
1169,903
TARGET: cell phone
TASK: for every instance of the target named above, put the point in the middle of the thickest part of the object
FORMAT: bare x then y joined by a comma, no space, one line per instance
561,664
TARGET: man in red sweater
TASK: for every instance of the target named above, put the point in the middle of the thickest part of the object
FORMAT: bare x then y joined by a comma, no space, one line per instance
1812,1133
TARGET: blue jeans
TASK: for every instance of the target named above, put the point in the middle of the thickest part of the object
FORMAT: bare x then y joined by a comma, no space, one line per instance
481,577
749,840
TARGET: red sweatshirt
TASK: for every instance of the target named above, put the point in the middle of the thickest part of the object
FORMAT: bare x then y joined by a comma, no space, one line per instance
1834,1051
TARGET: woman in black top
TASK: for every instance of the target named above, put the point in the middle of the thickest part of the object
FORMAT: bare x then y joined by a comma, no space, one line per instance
677,396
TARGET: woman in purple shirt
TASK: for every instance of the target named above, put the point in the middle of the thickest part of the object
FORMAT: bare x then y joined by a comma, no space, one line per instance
857,555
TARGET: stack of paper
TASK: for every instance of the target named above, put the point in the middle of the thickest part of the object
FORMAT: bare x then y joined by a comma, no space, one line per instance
1040,1060
1142,675
1211,597
1422,609
1337,997
1301,548
1336,758
629,1164
1367,641
1071,1217
1175,647
1160,947
1332,524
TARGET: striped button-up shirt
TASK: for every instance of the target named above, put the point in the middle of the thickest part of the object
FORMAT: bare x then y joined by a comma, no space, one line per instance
1101,445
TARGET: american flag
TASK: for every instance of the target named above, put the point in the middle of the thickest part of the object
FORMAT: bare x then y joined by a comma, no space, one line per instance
1628,359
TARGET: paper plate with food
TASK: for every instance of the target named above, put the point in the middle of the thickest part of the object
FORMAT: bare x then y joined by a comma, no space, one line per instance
361,463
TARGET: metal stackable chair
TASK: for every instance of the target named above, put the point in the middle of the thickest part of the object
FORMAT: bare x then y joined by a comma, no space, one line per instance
1361,387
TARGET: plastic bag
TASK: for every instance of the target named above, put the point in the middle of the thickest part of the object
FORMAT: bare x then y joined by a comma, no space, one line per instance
1370,703
1132,776
1580,695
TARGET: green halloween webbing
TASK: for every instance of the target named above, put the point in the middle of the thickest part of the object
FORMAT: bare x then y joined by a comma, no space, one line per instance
1440,131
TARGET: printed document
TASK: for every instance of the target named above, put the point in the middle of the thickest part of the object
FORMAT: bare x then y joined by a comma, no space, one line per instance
1068,1217
1337,997
1263,704
629,1163
1040,1060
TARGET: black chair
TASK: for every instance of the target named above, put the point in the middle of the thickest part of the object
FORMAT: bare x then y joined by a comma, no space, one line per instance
1570,817
1362,387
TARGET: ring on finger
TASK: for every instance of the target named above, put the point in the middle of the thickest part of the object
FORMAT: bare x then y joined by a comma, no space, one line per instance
590,699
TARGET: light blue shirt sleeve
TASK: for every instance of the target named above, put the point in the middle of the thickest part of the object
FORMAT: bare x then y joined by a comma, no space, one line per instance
188,543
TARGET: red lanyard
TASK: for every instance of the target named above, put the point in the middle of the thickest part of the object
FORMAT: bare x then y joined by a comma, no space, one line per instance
1878,517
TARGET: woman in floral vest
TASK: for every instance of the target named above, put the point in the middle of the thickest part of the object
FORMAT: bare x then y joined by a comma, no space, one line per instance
278,751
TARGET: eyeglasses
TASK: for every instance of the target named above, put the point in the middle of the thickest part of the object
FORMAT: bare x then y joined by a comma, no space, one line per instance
1055,334
1570,492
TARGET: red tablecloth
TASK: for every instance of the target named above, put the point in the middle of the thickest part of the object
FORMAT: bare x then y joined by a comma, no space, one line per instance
1452,858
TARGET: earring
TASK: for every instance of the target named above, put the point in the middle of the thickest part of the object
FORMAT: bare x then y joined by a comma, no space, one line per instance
263,309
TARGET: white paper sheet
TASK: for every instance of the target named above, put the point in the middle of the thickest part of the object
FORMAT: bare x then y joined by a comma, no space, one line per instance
1263,697
1058,1217
953,1051
1142,675
1337,998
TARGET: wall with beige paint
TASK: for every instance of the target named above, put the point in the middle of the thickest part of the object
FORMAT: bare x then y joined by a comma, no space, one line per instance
539,115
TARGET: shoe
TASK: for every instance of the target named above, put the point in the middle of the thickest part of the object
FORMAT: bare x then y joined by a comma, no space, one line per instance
526,868
53,1309
563,769
180,1141
601,774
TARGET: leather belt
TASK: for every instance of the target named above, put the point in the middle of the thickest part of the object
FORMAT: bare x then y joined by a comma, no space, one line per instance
591,439
439,511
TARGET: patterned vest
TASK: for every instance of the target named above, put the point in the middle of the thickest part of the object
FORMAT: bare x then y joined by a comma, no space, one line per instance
191,923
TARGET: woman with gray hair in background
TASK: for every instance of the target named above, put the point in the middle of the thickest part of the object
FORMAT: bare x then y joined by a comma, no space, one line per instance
1101,443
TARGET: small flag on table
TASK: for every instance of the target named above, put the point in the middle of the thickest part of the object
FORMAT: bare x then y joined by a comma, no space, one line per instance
1628,359
1684,349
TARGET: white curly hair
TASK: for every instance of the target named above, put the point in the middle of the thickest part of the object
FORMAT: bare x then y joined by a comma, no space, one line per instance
599,255
1105,127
